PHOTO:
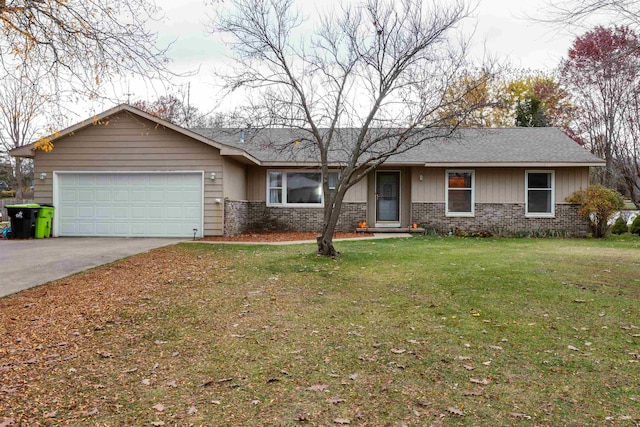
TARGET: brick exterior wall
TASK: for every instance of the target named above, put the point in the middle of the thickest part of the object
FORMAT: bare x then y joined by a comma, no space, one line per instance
236,216
504,219
243,216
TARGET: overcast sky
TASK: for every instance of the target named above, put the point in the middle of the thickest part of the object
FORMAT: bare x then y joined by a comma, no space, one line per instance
502,29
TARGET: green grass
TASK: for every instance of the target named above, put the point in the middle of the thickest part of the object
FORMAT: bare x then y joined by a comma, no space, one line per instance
423,331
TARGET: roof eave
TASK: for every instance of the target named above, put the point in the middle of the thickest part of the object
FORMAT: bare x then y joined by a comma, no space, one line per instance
26,151
514,164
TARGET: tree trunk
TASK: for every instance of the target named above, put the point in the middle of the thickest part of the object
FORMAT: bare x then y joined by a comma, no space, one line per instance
18,178
331,216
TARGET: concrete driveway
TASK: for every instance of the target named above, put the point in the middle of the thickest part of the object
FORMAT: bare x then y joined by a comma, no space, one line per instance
28,263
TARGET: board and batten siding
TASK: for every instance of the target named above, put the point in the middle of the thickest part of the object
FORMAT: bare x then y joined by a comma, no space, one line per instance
235,182
130,143
257,186
495,185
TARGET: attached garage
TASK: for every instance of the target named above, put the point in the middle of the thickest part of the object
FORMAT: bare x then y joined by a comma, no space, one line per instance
128,204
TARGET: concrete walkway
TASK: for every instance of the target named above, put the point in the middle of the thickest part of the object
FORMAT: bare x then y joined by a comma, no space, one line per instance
28,263
376,236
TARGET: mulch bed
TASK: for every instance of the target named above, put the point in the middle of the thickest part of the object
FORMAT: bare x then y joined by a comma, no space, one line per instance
274,236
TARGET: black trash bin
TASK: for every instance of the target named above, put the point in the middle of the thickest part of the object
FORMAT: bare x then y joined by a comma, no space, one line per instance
23,220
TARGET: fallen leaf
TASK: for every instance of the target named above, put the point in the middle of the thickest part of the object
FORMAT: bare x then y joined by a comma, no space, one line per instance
468,367
495,347
397,351
342,421
172,384
91,413
579,300
353,377
335,401
192,410
484,381
146,381
318,387
519,415
159,342
423,403
464,358
273,380
51,414
157,423
159,407
572,348
255,402
130,371
6,422
455,411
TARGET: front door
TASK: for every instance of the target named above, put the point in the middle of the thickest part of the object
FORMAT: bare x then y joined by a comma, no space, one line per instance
387,199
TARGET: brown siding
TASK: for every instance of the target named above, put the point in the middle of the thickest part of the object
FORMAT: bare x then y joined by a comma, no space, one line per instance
569,180
130,143
235,182
495,185
257,184
357,193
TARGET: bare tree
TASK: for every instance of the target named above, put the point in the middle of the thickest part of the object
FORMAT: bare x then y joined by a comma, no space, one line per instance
367,83
627,152
79,44
579,12
21,106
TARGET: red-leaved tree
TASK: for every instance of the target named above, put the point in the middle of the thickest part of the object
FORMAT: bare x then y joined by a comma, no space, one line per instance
602,72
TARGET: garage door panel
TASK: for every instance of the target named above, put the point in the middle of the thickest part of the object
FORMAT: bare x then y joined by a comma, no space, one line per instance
86,228
102,212
103,228
90,181
102,195
129,204
85,212
155,196
120,195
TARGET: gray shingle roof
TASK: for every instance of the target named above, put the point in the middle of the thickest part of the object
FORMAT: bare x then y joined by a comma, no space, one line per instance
468,146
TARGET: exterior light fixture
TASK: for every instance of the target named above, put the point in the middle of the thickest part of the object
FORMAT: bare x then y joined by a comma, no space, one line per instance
212,176
43,175
421,177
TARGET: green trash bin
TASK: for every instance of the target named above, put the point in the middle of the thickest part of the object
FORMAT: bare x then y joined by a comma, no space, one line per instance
44,221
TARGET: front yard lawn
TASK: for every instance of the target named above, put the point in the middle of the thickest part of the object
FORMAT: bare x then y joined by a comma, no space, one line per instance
422,331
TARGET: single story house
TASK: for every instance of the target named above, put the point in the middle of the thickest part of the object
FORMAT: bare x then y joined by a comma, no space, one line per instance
128,173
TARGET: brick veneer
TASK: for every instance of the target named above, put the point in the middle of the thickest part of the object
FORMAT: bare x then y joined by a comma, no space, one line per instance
236,214
500,218
242,216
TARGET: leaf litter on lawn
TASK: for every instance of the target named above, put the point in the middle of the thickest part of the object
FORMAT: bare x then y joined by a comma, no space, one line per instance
193,298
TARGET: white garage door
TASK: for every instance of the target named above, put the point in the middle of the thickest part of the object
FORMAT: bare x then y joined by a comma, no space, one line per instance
128,204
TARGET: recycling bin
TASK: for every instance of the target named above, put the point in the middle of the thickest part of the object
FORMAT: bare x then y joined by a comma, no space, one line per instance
23,219
44,221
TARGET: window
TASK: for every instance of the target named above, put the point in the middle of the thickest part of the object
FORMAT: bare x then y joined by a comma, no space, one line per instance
294,188
460,194
539,193
333,182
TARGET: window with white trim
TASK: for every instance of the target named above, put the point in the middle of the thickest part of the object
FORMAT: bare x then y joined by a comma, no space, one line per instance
539,193
460,193
294,188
